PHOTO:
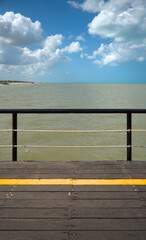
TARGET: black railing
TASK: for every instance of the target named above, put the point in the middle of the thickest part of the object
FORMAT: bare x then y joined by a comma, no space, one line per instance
128,112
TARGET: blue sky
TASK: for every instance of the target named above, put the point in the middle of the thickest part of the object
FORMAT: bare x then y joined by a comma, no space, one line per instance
101,41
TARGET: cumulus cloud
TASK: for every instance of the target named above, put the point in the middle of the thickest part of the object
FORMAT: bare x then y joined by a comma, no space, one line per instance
18,30
52,42
72,48
92,6
116,53
34,60
96,6
17,33
123,23
11,55
44,57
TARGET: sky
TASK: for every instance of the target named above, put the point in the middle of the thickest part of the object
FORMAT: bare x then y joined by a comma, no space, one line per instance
86,41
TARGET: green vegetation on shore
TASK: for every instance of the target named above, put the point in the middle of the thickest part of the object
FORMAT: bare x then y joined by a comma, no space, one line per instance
7,82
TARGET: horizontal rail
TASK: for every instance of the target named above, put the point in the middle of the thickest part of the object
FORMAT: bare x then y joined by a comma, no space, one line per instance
73,131
39,146
66,146
65,111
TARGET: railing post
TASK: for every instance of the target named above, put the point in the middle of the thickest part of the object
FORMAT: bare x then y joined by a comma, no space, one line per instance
14,137
129,136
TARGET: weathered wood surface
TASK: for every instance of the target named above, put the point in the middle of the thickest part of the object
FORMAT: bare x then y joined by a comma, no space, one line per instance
73,212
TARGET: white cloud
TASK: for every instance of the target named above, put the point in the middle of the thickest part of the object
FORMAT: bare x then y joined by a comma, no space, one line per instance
72,48
116,53
92,6
43,58
123,23
80,38
36,60
53,41
18,30
96,6
11,55
16,33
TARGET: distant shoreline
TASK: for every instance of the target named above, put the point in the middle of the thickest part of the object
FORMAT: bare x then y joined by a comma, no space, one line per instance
8,82
15,82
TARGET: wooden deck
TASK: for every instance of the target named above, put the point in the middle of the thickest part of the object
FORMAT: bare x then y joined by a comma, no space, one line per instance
73,212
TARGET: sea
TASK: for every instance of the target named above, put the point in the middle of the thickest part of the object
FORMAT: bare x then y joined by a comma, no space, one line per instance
72,95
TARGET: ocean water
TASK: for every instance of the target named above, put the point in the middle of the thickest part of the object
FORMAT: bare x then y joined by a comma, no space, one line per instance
50,95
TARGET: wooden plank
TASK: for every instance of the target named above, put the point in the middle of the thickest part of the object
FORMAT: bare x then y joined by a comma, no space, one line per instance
49,188
107,195
134,167
134,162
92,213
73,235
35,203
140,176
105,188
97,167
108,235
36,195
61,164
109,203
74,224
141,188
109,169
100,162
34,176
42,213
108,224
102,176
98,171
34,235
66,174
60,214
75,212
35,164
138,171
72,195
34,224
35,170
49,170
112,164
28,188
96,163
65,203
70,164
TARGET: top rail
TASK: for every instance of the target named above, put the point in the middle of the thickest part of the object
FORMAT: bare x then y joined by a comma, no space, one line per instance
63,111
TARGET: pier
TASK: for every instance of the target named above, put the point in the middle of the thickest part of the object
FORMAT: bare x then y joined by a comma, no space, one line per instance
72,200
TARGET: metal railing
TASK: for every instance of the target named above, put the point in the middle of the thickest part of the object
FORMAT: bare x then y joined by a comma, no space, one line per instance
14,129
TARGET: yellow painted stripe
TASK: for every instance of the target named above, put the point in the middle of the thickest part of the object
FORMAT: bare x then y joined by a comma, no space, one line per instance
72,181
